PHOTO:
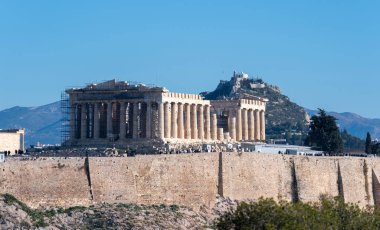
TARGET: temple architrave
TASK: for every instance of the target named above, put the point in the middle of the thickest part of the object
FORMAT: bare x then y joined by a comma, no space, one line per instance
121,113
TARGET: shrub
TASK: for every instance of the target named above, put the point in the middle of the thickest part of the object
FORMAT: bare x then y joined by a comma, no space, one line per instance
36,215
329,213
174,207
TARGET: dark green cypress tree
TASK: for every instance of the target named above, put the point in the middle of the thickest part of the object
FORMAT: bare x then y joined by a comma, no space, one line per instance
324,133
368,142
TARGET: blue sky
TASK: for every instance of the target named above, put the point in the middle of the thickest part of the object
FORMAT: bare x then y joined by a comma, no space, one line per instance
321,53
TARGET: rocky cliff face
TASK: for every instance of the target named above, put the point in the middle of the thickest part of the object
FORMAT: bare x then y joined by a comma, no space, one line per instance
284,117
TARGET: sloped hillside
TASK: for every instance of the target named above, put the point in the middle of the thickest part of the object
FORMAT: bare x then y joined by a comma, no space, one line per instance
284,117
14,214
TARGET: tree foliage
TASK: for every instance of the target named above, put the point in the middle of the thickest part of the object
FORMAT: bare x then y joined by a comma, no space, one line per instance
370,146
368,143
329,213
351,142
324,133
375,148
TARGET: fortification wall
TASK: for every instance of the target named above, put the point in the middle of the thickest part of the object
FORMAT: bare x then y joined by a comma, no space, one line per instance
190,179
357,184
374,172
315,176
251,176
46,181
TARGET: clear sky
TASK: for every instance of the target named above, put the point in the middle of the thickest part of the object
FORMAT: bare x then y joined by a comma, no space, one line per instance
322,53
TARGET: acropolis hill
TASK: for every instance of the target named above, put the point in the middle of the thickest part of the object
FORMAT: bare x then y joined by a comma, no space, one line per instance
120,114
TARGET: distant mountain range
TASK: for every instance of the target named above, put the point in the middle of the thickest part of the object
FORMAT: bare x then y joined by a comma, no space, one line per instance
284,117
355,124
43,123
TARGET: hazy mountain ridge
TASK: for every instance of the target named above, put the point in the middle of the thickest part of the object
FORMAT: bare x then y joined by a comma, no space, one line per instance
41,123
355,124
283,115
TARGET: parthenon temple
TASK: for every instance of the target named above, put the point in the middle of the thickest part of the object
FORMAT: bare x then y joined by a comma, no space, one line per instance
120,112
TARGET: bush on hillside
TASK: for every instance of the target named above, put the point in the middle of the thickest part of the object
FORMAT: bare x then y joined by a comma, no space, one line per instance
329,213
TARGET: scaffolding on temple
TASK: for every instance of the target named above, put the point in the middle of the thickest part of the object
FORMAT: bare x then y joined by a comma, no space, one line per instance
65,121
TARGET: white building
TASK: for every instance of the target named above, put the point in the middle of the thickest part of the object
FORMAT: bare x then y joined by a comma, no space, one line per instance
12,141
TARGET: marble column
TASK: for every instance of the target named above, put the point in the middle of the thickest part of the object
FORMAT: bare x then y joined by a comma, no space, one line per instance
201,127
245,124
208,123
174,121
214,127
96,120
251,125
238,125
262,125
257,125
73,109
123,125
135,120
181,133
232,128
167,119
109,119
194,122
220,134
161,127
148,124
83,122
187,121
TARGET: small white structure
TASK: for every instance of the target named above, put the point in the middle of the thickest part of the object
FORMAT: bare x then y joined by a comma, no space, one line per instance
2,157
12,141
287,149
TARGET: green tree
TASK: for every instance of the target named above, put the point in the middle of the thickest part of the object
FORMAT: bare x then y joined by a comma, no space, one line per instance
375,148
368,143
324,133
350,142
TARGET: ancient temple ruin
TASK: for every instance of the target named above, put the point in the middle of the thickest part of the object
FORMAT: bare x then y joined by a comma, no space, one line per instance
121,113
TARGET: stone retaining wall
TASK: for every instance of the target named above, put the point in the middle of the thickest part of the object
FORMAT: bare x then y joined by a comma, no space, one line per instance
192,180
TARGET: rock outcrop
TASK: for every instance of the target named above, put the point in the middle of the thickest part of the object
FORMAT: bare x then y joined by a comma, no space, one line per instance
283,116
16,215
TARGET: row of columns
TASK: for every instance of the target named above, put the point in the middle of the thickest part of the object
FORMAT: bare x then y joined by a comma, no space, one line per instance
194,121
90,119
248,124
174,120
187,121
